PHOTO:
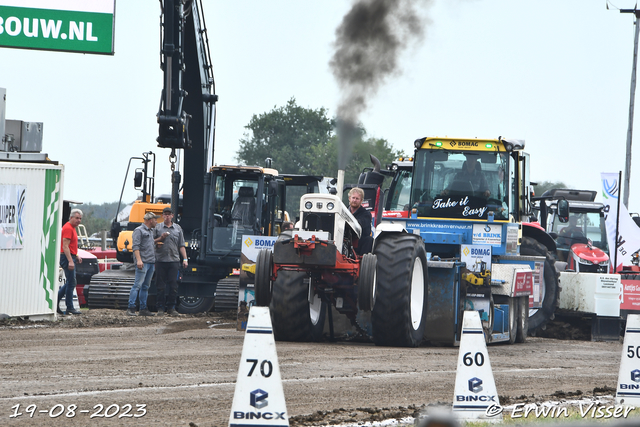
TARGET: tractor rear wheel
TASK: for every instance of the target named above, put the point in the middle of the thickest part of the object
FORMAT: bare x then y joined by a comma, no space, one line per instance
367,282
399,312
539,317
264,267
294,318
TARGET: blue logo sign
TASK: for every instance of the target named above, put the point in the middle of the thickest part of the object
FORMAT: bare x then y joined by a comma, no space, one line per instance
258,398
475,385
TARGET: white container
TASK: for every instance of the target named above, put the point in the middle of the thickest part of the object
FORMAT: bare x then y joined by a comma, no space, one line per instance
30,225
597,293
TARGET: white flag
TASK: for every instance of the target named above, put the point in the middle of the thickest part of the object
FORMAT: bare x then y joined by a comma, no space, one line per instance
628,232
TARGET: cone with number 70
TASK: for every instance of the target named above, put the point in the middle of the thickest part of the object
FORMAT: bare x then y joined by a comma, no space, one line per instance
259,398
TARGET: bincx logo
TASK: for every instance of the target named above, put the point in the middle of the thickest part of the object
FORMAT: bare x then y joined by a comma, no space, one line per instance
635,375
258,398
475,385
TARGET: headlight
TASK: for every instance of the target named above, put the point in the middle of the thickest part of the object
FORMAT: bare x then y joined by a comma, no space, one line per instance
330,206
308,205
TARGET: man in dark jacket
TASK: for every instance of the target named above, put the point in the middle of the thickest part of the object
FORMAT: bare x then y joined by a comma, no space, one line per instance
363,216
170,255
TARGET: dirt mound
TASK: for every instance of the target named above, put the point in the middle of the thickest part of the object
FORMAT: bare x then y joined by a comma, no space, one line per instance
106,317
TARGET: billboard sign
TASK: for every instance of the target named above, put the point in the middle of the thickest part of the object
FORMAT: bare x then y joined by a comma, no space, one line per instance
62,25
12,215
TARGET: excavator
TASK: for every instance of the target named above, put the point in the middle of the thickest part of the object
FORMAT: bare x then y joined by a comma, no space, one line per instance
216,205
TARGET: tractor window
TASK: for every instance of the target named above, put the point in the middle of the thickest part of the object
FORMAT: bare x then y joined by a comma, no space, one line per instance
399,199
465,185
581,226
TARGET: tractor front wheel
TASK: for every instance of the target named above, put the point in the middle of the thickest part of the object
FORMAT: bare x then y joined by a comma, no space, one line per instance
264,267
367,282
399,312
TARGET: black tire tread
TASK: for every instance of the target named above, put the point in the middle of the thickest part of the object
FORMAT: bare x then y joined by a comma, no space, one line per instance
262,288
290,309
368,266
546,313
391,316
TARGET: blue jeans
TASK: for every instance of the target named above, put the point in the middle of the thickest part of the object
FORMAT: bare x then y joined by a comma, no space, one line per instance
141,285
66,290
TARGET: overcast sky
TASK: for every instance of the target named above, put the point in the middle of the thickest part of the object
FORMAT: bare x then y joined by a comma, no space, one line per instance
555,73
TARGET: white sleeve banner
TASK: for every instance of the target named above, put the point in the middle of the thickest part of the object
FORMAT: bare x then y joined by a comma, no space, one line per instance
628,236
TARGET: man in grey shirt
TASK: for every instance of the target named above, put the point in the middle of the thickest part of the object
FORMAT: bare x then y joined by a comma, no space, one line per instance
170,253
145,258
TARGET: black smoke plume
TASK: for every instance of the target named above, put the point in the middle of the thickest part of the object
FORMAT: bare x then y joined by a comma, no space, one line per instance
368,44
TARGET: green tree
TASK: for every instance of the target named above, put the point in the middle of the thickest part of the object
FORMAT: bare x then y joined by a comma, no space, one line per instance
543,186
326,158
97,217
303,141
287,135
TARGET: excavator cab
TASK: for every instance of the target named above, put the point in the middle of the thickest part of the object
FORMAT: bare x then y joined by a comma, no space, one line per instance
245,201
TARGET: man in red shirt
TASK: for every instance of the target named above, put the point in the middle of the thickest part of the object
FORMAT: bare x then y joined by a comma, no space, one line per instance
68,257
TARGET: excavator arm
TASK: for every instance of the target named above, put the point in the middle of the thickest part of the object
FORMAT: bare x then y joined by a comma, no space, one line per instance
186,118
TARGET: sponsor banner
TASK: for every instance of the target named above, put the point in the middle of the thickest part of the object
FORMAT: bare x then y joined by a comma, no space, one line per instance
523,283
251,245
489,234
631,295
628,235
69,26
440,225
476,257
535,299
12,216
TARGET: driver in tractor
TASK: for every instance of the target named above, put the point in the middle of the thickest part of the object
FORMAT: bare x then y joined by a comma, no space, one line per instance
470,175
571,234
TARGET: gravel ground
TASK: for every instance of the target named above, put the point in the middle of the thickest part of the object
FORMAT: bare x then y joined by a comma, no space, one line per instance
184,370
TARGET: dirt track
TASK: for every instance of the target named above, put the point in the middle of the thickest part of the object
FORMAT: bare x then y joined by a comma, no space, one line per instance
184,371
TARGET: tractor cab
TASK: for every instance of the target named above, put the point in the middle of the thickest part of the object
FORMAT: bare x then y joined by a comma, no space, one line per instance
462,184
581,235
398,200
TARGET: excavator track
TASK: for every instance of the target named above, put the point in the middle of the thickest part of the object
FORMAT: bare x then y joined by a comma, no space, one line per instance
227,294
110,289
